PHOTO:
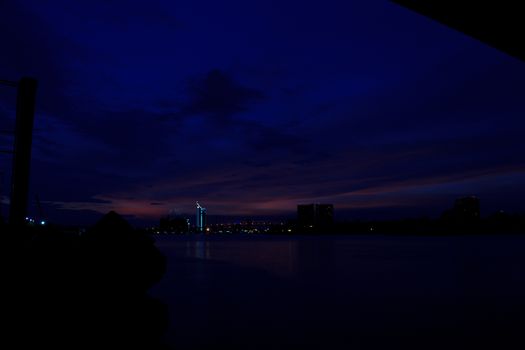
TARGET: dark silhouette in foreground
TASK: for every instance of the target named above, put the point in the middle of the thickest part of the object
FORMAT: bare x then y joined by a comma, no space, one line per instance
90,290
496,23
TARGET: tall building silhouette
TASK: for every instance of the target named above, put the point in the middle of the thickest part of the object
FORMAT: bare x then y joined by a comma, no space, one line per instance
466,211
200,220
467,208
315,215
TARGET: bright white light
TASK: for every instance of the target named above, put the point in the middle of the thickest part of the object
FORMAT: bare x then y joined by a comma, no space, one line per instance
42,222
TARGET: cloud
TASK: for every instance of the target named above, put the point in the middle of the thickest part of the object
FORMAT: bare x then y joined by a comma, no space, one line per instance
33,48
219,97
260,198
121,13
314,120
100,204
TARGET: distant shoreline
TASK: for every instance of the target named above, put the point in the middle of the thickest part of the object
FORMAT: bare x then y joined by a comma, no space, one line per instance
316,235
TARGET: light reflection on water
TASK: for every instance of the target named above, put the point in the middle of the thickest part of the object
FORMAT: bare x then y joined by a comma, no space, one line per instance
296,257
276,257
368,284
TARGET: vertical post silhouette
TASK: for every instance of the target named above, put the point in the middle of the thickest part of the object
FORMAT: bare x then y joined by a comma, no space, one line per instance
25,112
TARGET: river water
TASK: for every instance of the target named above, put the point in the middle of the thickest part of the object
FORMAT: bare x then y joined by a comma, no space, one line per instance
343,292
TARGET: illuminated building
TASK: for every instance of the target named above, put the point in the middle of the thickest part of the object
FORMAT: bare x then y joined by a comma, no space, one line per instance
200,220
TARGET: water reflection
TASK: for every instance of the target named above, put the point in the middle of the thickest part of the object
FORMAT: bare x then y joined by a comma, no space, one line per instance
276,257
199,249
314,290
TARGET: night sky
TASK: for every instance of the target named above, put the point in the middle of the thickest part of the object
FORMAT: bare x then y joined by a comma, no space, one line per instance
252,107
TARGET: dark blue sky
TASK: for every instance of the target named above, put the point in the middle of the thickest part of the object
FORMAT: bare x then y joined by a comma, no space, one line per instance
252,107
